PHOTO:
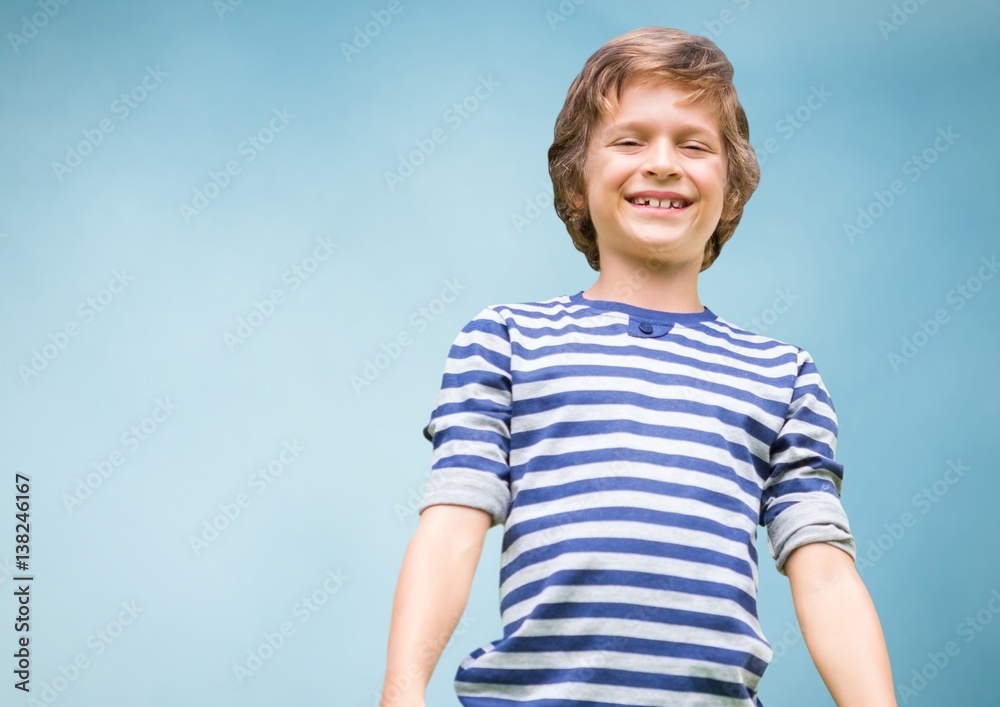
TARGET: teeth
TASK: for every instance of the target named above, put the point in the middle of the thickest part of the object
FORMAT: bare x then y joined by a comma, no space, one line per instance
675,204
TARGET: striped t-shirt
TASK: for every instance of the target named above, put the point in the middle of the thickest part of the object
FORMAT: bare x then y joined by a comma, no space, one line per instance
631,455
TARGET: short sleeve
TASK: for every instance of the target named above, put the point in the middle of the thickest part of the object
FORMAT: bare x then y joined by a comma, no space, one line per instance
470,423
801,502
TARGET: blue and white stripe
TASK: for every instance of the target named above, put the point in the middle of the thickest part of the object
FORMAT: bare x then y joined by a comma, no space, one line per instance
631,455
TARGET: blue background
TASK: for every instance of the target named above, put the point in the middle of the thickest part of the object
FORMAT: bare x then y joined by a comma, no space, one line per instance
344,506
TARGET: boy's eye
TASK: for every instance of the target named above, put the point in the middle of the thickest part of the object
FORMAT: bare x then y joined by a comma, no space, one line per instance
628,142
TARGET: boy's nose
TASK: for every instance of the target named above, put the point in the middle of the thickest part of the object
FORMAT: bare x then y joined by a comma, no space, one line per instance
662,161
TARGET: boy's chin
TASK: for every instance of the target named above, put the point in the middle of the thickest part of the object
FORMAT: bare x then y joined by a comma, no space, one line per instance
660,253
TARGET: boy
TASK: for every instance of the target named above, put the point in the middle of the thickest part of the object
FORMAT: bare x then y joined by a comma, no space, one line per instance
631,441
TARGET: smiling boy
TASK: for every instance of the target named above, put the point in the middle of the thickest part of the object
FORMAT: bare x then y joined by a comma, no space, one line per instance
631,441
656,177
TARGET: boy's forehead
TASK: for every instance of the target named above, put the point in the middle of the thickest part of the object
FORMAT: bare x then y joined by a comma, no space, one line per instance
627,114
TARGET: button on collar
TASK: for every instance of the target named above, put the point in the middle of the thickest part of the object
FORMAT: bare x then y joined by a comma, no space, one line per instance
647,329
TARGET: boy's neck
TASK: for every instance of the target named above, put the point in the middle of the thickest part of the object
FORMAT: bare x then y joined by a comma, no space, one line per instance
662,289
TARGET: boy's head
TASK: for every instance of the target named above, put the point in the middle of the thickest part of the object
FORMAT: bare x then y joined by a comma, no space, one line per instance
690,64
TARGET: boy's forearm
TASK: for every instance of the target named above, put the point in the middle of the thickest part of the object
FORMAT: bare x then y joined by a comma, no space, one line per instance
841,627
431,594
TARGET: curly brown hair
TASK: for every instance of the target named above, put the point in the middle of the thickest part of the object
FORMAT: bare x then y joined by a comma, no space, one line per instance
690,62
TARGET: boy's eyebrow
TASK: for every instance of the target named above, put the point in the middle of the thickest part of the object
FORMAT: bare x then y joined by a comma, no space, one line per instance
635,124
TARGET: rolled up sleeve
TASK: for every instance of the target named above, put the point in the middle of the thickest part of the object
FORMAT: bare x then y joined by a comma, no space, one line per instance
801,501
470,424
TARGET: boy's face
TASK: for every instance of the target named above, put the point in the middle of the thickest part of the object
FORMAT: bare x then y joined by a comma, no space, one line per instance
652,147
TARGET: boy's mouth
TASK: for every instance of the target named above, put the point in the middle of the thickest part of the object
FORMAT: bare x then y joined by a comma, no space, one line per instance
647,203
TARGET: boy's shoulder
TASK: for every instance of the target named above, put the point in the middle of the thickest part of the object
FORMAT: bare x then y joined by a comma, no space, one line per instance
523,311
511,310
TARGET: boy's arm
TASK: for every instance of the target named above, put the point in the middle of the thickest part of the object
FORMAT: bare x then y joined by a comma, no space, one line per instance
840,626
431,594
